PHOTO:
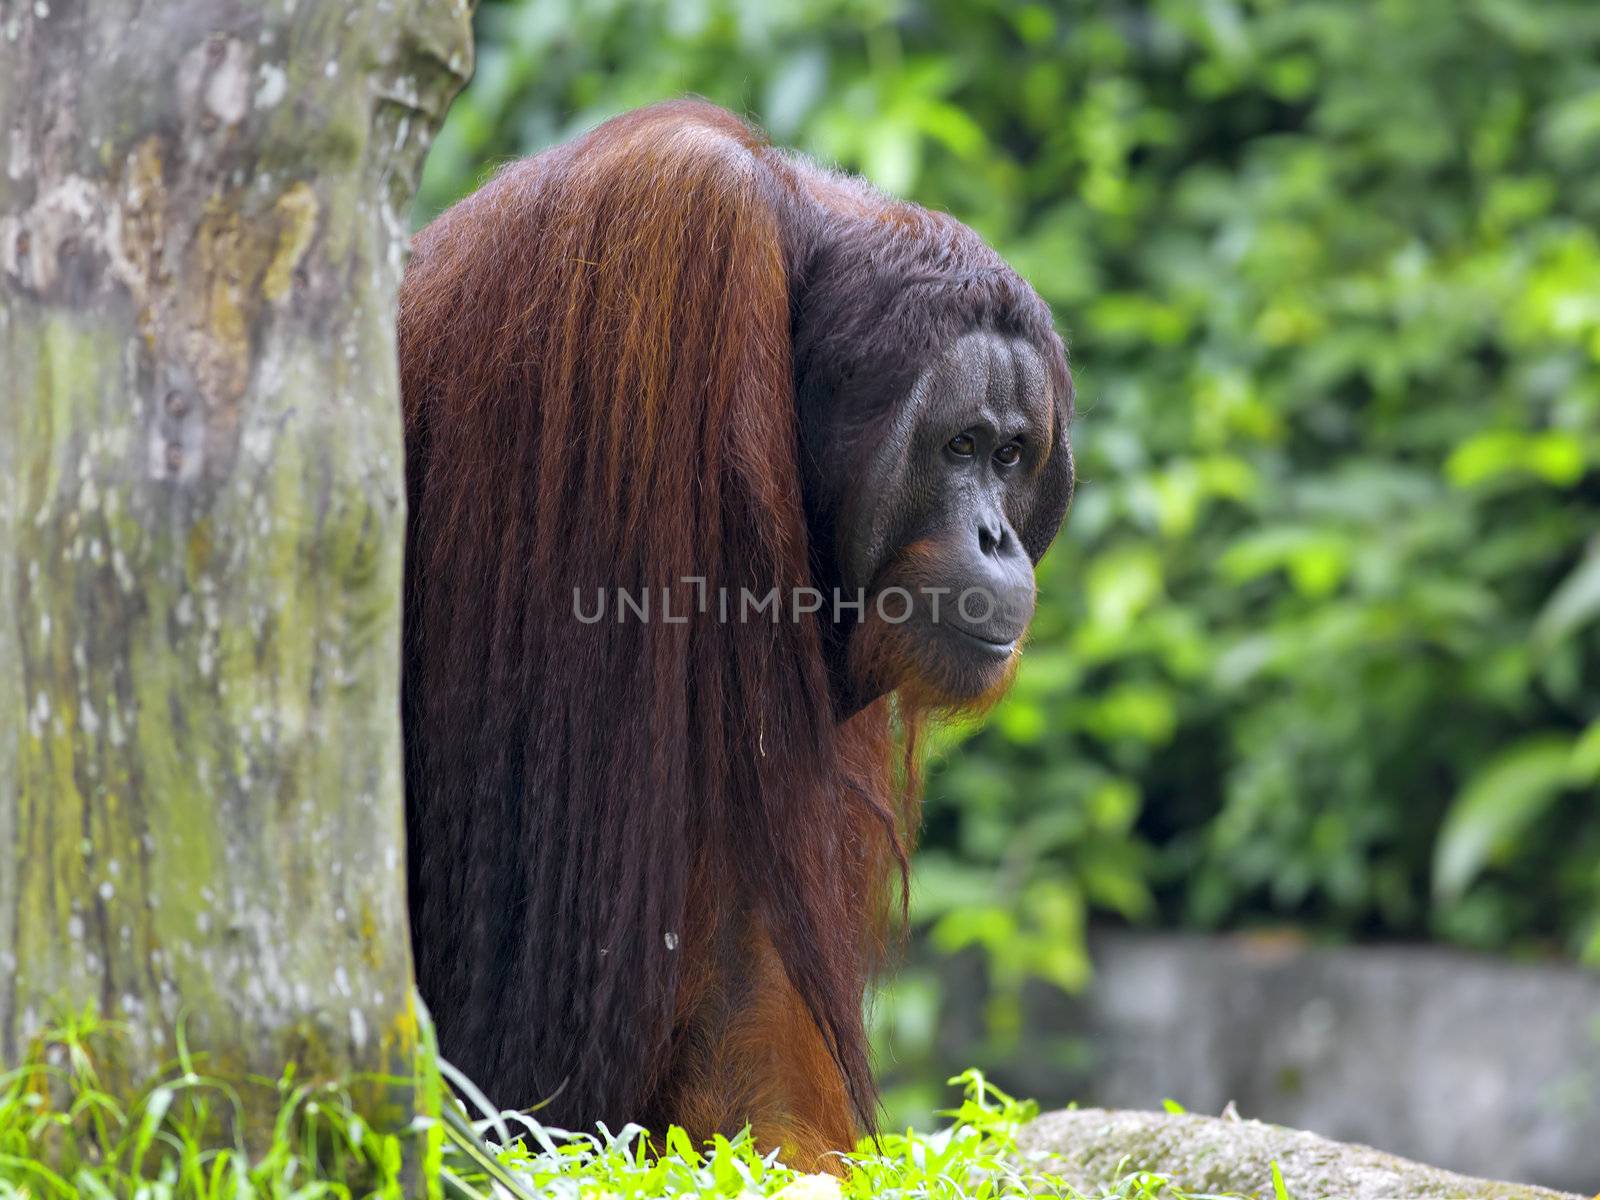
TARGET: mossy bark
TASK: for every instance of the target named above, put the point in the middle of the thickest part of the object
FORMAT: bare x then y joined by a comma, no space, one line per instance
201,522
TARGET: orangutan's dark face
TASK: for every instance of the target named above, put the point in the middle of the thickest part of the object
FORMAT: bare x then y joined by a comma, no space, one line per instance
930,531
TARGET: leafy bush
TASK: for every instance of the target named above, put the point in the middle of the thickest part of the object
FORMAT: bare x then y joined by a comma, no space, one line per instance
64,1135
1320,642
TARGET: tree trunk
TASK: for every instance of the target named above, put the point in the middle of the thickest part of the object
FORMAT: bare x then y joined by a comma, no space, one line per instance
201,523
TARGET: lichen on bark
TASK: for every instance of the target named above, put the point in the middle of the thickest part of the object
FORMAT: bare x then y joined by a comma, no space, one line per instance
201,521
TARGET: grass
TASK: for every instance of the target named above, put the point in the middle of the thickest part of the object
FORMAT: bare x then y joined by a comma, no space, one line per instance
63,1135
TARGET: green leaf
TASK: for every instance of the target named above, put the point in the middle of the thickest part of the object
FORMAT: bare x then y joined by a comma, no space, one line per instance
1556,456
1502,801
1590,954
1586,755
1574,603
1316,559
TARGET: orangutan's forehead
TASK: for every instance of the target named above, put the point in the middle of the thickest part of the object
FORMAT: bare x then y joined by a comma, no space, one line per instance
987,376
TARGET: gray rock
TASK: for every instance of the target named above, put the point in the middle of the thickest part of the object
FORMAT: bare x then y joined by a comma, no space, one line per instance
1481,1065
1098,1147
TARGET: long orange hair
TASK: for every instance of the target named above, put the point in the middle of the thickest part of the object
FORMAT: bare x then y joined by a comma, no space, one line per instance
637,847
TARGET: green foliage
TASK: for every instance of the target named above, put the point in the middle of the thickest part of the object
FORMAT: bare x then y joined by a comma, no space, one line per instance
1499,808
975,1156
64,1136
1321,642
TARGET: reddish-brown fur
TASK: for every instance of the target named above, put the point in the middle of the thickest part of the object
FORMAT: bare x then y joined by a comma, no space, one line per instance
648,861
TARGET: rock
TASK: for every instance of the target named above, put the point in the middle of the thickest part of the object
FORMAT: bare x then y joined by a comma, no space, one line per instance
1482,1065
1098,1147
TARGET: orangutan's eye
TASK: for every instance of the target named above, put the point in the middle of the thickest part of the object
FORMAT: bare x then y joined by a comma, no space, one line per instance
1008,454
963,445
